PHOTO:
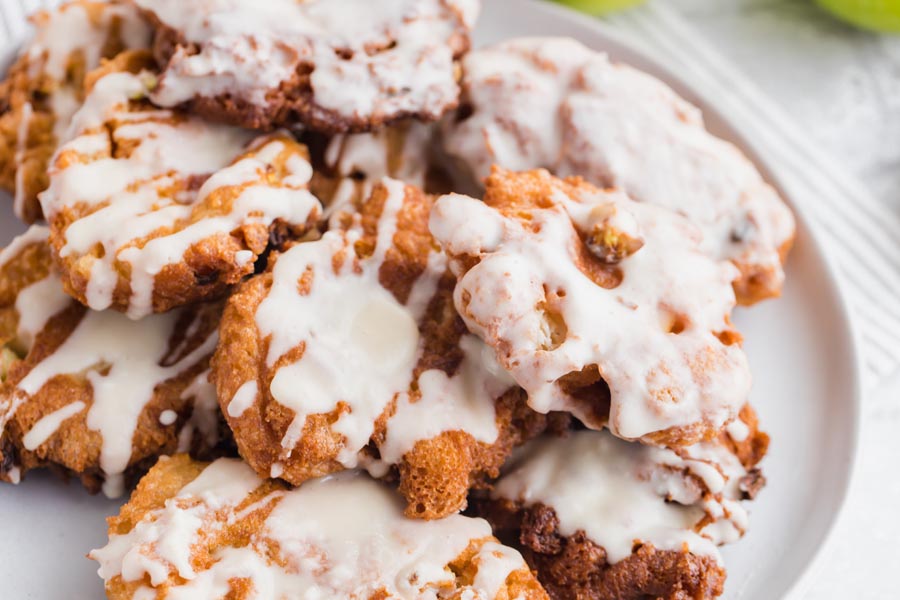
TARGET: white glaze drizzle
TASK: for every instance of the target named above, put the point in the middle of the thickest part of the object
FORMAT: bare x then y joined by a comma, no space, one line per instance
657,379
14,475
60,35
556,104
46,426
361,160
33,235
361,346
738,430
260,203
338,537
70,29
247,50
400,151
121,359
167,417
360,342
242,399
129,193
130,353
35,305
620,492
462,402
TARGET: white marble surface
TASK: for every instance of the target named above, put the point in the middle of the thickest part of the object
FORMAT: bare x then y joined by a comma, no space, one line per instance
843,86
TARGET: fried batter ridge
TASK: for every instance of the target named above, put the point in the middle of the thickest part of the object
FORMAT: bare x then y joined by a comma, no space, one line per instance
349,353
216,530
95,394
597,305
553,103
598,517
137,221
333,66
45,86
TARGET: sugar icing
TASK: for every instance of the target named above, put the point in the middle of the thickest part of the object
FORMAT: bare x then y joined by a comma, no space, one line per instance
659,378
340,536
620,492
130,198
370,59
556,104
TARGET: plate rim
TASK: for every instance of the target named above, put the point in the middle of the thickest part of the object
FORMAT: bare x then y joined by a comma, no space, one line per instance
9,50
813,237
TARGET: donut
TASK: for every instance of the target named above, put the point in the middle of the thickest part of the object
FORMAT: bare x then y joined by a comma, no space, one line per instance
45,86
348,353
215,530
94,394
553,103
151,209
330,65
603,518
597,305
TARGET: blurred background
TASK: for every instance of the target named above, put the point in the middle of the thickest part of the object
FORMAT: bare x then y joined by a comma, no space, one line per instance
827,73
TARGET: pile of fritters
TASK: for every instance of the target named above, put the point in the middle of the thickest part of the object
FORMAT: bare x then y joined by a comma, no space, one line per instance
369,315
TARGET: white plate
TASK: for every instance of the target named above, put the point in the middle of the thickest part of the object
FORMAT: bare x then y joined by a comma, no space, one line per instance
806,391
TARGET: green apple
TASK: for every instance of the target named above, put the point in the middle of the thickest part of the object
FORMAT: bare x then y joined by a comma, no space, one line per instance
600,7
878,15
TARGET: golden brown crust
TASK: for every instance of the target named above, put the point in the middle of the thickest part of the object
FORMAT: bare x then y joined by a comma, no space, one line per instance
28,89
210,266
437,473
171,474
574,567
292,102
518,196
75,448
162,483
758,283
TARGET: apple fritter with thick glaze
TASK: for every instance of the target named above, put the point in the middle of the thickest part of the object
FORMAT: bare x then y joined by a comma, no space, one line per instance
329,65
45,86
349,353
151,209
95,394
199,530
602,518
598,305
553,103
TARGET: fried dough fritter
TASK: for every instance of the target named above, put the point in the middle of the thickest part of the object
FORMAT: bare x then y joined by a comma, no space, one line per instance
553,103
598,305
45,86
216,530
601,518
94,394
348,352
150,209
311,63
